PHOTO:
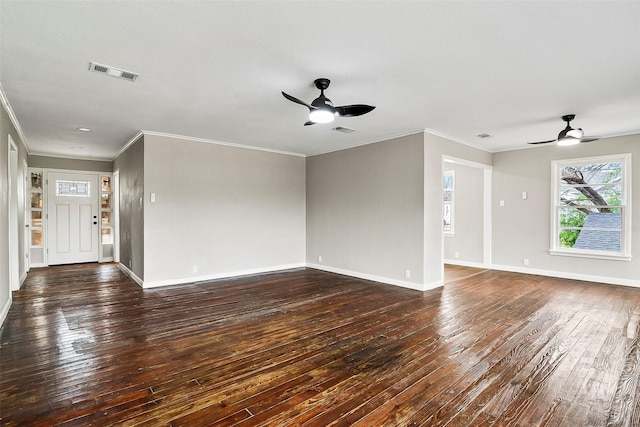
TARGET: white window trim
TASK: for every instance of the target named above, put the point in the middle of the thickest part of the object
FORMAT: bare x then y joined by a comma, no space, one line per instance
625,252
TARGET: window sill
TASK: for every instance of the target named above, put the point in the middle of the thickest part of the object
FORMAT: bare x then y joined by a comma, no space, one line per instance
596,255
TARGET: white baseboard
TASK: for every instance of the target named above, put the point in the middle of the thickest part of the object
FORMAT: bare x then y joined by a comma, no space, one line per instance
465,263
192,279
5,310
372,277
565,275
131,274
23,278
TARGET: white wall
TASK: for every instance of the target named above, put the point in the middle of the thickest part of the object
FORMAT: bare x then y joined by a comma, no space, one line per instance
521,229
223,209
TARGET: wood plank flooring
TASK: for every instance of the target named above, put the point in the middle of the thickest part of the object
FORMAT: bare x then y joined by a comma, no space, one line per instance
84,345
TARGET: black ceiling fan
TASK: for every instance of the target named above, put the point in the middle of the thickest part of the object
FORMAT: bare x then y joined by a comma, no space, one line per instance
569,135
321,110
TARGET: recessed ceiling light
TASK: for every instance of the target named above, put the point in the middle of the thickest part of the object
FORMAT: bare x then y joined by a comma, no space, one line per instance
78,147
84,129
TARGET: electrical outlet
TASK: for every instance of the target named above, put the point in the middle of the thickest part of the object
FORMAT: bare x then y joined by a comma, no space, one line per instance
195,268
319,258
407,274
457,254
525,261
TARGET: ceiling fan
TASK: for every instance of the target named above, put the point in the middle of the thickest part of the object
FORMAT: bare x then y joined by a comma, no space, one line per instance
569,135
322,110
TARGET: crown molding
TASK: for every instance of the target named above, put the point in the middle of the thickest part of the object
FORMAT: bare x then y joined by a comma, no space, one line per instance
212,141
13,118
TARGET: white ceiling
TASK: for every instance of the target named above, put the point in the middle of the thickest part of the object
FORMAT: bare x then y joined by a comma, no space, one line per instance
214,70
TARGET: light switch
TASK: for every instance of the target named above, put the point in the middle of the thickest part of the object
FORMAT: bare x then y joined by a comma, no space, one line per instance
524,195
153,197
502,203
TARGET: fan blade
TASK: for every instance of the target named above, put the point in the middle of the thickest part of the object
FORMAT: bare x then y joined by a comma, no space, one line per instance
542,142
296,100
309,123
353,110
589,138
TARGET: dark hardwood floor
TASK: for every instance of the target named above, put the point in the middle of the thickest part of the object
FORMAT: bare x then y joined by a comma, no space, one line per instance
84,345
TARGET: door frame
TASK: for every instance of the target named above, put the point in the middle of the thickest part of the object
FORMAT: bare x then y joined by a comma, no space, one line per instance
487,255
14,246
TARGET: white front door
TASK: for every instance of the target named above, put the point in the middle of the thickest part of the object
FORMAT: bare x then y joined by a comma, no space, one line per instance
73,228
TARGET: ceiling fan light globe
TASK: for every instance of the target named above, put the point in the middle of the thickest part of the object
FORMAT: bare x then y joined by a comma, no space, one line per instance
568,140
575,133
321,116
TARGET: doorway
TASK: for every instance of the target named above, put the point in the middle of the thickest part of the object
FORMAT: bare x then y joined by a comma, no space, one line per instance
467,231
73,225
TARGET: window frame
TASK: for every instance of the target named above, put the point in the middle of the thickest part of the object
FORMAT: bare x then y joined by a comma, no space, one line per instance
625,208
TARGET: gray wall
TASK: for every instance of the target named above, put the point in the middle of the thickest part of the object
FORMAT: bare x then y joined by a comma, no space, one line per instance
521,229
69,164
225,210
467,240
365,209
7,128
130,165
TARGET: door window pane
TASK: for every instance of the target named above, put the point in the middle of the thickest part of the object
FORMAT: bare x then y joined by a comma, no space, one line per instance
36,200
36,237
73,188
107,236
36,218
36,181
106,183
106,218
106,201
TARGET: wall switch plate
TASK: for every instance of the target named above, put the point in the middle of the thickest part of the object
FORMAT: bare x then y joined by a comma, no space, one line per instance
153,197
524,195
195,268
502,203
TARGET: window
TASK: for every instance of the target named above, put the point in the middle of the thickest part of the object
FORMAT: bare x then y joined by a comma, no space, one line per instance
591,207
448,202
73,188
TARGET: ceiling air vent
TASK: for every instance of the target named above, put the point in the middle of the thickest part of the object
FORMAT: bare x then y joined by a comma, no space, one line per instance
112,71
343,129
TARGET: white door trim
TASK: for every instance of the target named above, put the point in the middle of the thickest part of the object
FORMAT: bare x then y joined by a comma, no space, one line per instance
14,247
487,255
